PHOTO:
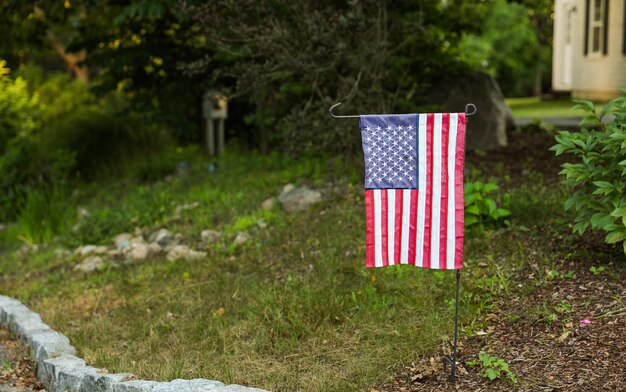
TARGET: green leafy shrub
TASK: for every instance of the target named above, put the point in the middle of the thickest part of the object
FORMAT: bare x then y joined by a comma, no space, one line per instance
483,211
53,131
597,175
44,214
493,367
18,108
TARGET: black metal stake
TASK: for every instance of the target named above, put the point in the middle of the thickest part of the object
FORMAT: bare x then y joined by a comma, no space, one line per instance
447,360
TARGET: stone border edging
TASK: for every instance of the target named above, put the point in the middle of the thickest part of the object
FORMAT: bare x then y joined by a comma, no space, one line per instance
60,370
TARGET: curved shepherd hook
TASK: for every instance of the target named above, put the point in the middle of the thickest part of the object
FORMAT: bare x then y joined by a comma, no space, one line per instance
335,116
470,110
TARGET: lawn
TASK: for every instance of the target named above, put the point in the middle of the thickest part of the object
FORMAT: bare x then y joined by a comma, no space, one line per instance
534,107
294,308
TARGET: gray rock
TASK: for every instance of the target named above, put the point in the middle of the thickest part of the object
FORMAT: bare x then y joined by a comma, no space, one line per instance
210,236
90,249
3,227
122,241
268,204
262,224
137,240
185,207
196,255
158,235
82,213
242,238
288,188
487,129
139,252
178,252
47,344
298,199
90,264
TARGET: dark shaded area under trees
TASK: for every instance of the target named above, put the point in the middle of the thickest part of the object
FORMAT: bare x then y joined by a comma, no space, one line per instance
144,65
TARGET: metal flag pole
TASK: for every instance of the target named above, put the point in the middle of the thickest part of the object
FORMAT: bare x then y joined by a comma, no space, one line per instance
470,110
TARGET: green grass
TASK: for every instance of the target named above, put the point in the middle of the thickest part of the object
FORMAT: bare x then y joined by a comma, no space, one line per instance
293,309
534,107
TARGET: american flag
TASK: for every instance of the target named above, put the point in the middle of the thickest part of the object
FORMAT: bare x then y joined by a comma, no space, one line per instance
414,189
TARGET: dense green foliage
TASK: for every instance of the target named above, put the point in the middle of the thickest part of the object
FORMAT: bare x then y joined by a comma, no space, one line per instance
597,176
53,131
482,211
515,46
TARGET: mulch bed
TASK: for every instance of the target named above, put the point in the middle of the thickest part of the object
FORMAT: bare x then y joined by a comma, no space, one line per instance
568,334
561,355
18,370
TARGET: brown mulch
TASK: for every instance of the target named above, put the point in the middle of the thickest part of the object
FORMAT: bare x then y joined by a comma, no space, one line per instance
561,355
17,370
539,331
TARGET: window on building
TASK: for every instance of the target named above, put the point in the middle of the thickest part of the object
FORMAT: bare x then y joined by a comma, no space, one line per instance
597,26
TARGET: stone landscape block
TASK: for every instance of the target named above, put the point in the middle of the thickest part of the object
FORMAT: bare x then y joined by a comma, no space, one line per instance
135,386
70,377
23,323
195,385
102,382
238,388
48,371
49,344
9,310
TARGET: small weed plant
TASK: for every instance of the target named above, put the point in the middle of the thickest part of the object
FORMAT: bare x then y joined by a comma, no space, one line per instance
596,270
482,211
493,367
598,175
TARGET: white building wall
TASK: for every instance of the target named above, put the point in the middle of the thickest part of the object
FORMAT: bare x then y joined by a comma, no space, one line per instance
595,76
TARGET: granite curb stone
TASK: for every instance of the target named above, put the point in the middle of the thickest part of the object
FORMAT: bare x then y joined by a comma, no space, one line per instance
59,370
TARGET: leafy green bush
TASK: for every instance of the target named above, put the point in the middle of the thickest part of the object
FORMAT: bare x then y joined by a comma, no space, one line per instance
597,175
18,108
482,211
44,214
53,131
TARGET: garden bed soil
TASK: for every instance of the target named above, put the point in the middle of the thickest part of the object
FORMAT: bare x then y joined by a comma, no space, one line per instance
561,333
17,370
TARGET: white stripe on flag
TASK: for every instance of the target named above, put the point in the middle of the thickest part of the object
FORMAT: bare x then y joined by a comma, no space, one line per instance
451,243
406,224
421,186
378,235
391,224
436,207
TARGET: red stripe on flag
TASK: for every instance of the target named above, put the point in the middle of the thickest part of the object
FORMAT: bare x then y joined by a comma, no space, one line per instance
413,226
398,227
458,175
370,252
384,222
430,120
443,241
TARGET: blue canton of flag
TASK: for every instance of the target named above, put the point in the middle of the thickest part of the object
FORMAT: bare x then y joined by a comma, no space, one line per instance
390,147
